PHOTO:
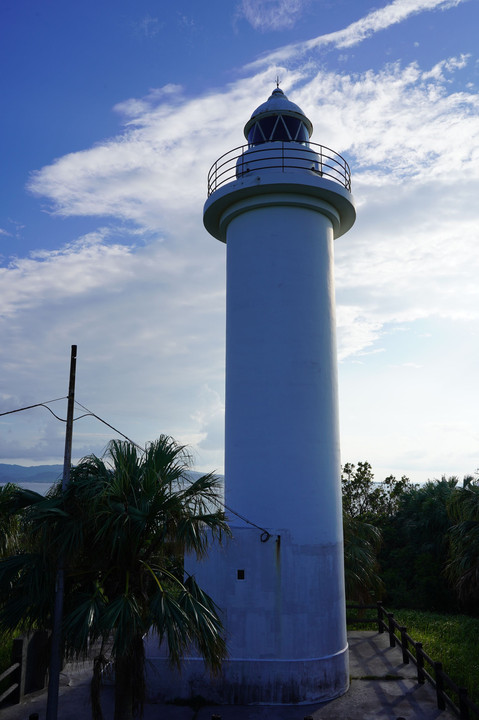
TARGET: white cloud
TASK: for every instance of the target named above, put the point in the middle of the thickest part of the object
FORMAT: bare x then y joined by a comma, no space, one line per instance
76,269
136,107
266,15
146,306
148,323
375,21
149,26
407,137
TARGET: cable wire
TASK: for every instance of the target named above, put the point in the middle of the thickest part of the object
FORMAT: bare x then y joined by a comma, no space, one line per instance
43,404
92,414
265,535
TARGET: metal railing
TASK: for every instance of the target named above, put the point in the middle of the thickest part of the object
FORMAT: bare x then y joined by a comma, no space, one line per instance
282,156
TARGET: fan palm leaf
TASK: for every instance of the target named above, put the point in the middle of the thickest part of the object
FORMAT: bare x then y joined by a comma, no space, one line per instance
121,527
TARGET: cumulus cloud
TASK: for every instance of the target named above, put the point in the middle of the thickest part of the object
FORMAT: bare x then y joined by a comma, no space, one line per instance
75,269
406,136
148,323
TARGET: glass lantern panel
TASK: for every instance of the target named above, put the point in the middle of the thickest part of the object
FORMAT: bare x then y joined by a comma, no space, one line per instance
293,126
280,132
302,135
255,136
267,126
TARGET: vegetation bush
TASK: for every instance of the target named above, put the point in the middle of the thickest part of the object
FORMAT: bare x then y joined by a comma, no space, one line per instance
425,551
415,548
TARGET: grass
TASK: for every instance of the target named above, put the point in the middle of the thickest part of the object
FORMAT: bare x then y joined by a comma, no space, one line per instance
450,639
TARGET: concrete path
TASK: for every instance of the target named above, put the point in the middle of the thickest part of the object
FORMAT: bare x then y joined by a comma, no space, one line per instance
382,688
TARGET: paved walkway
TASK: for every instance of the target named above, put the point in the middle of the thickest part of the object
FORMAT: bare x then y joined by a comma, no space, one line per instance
382,688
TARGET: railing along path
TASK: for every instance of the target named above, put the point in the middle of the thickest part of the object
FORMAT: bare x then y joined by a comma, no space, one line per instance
12,670
413,651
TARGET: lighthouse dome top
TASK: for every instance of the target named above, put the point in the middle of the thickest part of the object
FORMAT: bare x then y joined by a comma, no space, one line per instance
278,119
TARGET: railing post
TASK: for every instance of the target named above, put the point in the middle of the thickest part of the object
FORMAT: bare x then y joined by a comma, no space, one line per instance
420,663
392,636
441,703
463,704
380,617
404,644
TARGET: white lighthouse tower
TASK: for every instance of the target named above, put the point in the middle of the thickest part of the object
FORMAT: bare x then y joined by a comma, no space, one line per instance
278,203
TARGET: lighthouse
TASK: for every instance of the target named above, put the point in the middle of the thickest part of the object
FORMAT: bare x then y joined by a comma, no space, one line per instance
278,203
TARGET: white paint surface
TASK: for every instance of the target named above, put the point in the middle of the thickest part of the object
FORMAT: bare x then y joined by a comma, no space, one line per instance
282,599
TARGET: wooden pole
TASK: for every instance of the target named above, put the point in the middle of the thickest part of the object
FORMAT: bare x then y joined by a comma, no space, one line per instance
420,663
404,644
392,636
56,646
380,617
438,673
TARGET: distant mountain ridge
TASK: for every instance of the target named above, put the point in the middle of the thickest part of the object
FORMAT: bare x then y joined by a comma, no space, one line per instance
33,474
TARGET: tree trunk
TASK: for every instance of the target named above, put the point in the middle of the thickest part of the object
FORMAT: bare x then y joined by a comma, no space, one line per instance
130,681
95,685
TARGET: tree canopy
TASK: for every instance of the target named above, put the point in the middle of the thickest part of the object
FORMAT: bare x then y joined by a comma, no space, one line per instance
417,546
121,527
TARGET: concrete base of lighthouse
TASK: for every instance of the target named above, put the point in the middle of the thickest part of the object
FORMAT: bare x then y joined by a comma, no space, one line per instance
284,620
250,682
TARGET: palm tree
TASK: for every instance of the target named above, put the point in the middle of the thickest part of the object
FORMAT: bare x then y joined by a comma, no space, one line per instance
122,526
361,545
9,521
415,548
463,564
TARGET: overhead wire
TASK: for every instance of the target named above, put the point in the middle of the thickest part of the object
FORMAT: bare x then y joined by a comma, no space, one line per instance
265,535
42,404
92,414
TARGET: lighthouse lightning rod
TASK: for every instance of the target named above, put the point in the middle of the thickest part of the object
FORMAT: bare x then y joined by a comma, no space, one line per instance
56,654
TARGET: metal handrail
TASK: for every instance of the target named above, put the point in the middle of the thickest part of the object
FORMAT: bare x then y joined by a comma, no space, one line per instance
279,156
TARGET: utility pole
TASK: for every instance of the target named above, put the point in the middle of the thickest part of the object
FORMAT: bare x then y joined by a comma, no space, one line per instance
56,646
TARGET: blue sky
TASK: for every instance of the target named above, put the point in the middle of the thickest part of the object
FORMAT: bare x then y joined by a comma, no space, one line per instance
112,114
